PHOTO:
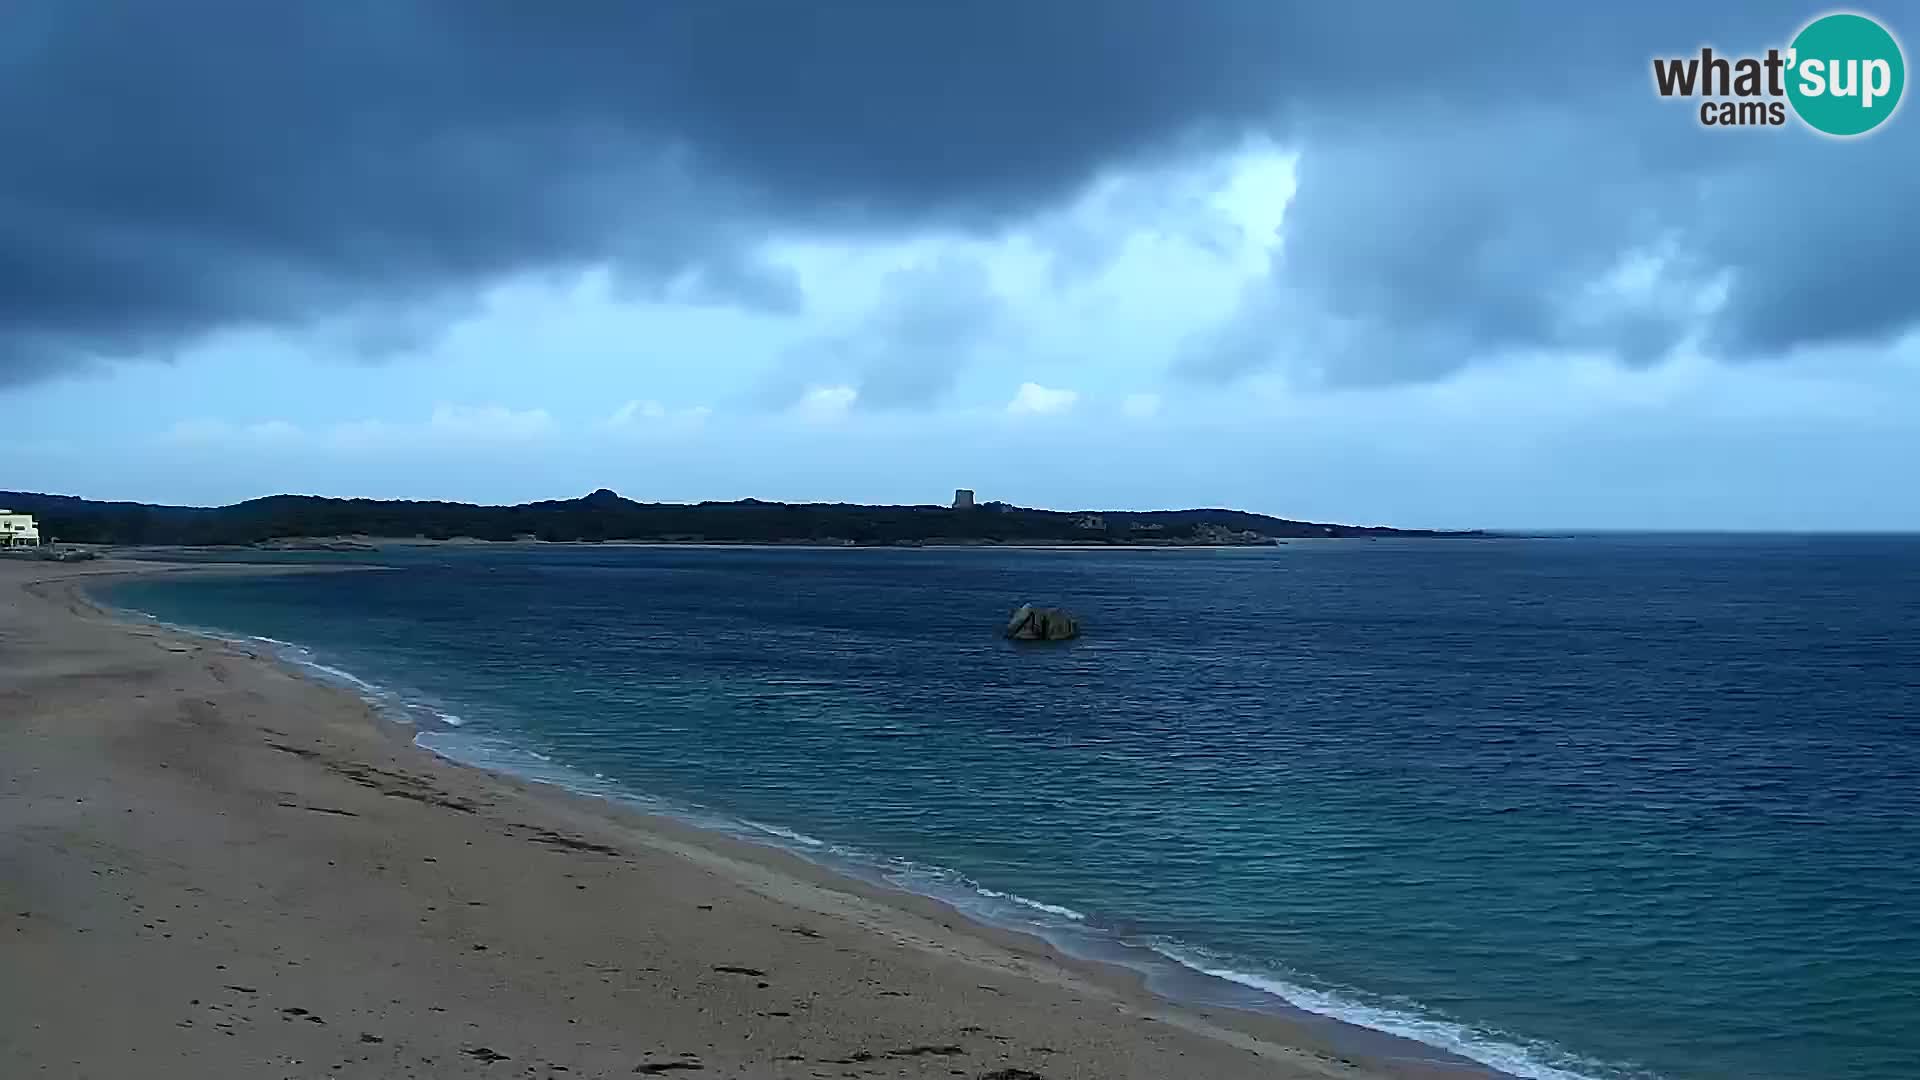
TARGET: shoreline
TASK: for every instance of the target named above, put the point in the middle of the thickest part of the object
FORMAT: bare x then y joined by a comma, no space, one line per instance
374,545
374,548
902,922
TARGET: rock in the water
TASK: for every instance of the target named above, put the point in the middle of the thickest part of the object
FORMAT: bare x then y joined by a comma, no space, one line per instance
1031,623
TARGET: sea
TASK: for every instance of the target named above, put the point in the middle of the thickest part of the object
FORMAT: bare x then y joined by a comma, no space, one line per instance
1581,808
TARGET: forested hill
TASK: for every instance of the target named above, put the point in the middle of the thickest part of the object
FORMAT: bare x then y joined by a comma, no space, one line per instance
604,515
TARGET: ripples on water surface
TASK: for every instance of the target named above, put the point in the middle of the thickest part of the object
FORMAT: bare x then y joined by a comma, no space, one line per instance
1594,807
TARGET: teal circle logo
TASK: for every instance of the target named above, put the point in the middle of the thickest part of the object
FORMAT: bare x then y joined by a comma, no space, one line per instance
1845,74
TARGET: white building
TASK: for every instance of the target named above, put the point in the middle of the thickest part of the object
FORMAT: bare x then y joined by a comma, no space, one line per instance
18,530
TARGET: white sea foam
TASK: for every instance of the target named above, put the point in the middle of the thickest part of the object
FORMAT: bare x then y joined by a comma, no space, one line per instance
1510,1055
344,676
785,834
1037,905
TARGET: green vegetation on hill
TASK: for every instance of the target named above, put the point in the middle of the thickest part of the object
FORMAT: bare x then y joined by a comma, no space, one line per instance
604,515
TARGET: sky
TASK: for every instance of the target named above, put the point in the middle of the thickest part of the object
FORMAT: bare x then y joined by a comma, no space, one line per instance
1449,266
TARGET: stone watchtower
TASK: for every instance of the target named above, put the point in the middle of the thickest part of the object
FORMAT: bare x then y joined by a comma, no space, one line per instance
963,499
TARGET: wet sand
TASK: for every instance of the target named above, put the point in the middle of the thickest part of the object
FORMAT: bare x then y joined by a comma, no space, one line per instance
211,867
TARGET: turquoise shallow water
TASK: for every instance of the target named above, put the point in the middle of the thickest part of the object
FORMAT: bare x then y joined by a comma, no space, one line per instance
1604,807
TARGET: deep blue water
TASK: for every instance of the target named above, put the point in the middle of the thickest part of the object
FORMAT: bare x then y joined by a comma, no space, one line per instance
1598,807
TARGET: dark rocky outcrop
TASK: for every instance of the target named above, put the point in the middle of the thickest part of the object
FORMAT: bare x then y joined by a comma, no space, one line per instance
1031,623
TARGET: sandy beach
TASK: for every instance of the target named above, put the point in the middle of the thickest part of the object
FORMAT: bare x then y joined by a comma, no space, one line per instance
211,867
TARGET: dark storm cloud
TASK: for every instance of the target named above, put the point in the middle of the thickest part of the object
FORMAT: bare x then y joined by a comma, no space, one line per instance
171,169
1411,251
1447,229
